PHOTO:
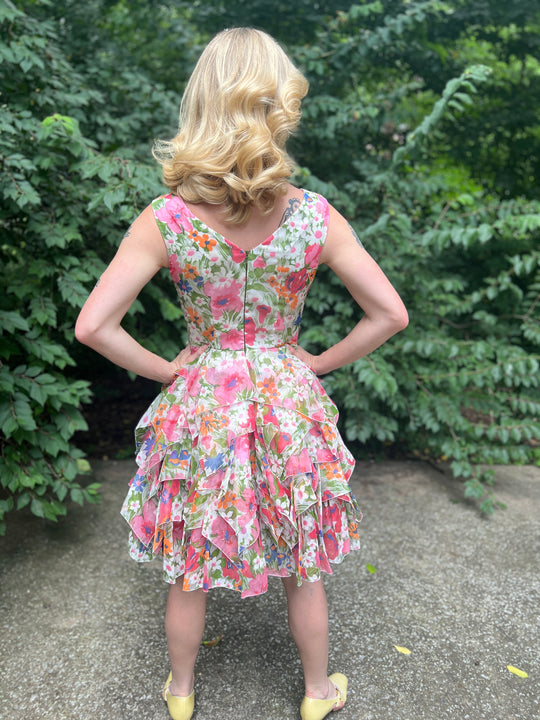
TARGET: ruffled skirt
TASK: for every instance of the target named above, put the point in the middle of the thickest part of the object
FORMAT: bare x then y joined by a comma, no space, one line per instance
242,474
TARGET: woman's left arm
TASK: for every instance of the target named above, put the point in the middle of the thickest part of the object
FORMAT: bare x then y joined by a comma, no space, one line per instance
141,254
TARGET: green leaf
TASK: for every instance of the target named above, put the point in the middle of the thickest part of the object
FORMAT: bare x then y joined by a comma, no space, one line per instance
76,495
11,321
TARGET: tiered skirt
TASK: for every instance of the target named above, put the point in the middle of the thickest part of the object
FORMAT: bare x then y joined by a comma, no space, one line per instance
242,474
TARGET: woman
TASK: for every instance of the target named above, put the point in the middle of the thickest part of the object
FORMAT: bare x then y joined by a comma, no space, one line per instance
242,472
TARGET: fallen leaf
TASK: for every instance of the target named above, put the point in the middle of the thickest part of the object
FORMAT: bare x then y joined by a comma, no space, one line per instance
212,643
371,569
517,671
403,650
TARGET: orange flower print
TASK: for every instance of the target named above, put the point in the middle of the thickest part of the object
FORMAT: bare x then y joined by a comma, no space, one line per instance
329,434
209,424
195,316
206,242
190,271
331,470
268,388
159,417
210,333
228,500
167,546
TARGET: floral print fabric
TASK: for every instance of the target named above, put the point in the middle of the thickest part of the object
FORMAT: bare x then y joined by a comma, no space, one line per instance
242,472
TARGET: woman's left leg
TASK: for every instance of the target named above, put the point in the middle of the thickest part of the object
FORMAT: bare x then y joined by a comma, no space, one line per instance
184,625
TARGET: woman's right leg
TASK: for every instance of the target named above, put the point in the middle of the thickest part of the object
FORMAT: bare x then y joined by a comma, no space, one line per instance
308,622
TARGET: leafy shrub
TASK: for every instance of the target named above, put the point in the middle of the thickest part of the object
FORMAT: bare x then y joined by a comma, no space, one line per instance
64,203
431,159
461,383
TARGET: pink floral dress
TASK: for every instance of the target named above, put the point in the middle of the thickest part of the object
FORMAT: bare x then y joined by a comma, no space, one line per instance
242,472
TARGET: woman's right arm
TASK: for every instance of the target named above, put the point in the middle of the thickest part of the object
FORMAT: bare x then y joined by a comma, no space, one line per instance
384,312
140,255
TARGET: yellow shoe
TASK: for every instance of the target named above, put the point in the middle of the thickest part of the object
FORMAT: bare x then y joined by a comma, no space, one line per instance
180,708
314,709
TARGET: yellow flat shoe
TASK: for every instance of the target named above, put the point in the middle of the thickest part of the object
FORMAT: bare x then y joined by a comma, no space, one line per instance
314,709
180,708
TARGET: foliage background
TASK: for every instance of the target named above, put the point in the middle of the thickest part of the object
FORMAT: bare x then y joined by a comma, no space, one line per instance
422,126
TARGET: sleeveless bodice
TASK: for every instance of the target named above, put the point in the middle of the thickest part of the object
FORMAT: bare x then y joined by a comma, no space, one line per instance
234,299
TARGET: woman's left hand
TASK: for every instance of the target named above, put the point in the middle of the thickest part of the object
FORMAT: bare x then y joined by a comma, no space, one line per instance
312,361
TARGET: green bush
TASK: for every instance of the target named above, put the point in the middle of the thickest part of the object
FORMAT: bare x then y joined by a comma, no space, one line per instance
430,154
65,202
461,383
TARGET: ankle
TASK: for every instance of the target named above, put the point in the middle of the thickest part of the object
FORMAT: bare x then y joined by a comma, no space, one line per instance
323,690
182,687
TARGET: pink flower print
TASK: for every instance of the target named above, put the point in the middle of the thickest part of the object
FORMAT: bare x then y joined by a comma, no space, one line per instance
289,403
249,331
258,585
279,324
174,268
242,449
231,571
325,455
144,525
232,340
311,255
263,311
331,544
260,334
213,481
206,442
269,416
165,505
238,255
193,384
230,385
175,214
296,281
224,538
259,262
224,296
171,426
283,441
299,464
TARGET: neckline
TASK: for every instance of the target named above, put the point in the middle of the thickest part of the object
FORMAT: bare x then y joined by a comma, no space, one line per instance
266,241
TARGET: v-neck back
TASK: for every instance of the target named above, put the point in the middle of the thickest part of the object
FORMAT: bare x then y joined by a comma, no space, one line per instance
220,236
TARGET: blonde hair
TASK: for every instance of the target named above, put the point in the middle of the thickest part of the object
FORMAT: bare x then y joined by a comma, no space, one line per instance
240,105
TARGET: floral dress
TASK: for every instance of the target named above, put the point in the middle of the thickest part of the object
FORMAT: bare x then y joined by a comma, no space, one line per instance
242,473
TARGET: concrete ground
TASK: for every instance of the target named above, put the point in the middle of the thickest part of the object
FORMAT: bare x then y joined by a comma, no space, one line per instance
82,625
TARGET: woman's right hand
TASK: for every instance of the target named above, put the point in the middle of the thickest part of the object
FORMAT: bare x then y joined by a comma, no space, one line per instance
187,355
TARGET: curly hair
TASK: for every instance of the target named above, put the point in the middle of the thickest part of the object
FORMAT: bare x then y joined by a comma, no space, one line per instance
241,104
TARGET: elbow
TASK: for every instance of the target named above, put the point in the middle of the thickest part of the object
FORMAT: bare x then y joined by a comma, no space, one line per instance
402,319
81,332
85,332
397,320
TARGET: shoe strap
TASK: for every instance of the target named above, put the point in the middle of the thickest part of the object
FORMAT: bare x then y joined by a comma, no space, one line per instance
339,695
